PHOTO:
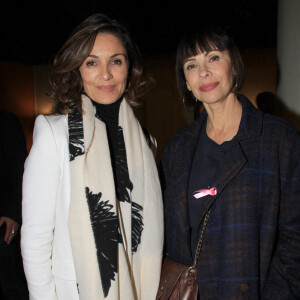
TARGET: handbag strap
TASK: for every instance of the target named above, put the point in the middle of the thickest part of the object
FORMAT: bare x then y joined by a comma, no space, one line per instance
199,245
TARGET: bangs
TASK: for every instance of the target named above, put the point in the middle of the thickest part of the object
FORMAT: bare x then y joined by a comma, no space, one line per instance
204,40
202,44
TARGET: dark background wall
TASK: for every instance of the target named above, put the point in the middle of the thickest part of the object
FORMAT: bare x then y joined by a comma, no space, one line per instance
31,32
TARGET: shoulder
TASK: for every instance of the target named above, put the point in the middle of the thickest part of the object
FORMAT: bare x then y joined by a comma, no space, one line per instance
56,120
49,128
254,118
280,132
55,123
278,124
270,127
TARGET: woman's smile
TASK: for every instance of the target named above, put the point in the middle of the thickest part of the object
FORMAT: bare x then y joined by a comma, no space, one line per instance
208,87
106,88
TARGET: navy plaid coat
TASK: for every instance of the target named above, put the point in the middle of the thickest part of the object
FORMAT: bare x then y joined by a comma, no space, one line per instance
251,246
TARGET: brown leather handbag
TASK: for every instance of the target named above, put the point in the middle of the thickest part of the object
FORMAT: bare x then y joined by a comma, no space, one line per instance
178,281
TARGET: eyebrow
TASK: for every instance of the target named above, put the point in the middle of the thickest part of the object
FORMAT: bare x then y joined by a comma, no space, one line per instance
189,59
112,56
193,57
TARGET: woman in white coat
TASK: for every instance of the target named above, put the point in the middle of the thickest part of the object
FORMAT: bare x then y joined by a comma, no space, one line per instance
92,209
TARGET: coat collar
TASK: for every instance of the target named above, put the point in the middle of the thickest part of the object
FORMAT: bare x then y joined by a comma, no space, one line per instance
250,127
251,121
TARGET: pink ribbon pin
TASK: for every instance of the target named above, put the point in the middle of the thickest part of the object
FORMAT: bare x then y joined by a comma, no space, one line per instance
204,192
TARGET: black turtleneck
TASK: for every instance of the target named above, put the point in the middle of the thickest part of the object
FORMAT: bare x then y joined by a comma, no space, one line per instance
109,114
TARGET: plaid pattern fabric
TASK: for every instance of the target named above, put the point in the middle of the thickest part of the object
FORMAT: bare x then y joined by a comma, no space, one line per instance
251,247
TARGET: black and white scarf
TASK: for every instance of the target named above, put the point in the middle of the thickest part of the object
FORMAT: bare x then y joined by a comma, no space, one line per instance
115,242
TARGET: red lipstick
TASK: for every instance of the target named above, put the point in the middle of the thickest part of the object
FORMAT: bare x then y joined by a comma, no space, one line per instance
208,87
106,88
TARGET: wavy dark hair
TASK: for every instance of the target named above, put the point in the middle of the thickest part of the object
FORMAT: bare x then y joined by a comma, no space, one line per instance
205,39
66,84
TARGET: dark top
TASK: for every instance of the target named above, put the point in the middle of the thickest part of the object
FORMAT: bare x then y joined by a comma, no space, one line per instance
206,162
13,153
109,114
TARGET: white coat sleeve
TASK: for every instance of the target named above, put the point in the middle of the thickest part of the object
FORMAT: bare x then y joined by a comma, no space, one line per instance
40,185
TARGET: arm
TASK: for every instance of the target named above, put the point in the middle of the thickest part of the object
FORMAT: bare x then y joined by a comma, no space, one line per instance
40,184
283,281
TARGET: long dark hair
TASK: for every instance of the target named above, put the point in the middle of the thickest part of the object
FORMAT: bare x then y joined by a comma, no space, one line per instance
205,39
66,84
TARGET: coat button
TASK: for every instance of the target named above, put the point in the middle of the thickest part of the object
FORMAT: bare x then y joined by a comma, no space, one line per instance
244,287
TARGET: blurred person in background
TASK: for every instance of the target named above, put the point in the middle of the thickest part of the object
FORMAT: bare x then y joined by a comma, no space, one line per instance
13,153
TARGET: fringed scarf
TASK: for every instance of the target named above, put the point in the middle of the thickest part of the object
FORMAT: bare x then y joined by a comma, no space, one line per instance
116,243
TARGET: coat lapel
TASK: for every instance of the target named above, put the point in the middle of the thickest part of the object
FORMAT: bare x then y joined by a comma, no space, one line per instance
235,159
177,192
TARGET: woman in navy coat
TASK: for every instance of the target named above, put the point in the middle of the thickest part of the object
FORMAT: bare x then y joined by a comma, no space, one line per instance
241,164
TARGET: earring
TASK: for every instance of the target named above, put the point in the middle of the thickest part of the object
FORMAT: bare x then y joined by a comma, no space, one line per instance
195,99
188,87
235,89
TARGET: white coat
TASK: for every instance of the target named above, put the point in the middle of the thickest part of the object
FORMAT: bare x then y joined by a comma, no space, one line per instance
45,241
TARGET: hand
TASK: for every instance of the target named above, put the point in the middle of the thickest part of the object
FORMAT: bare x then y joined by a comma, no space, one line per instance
11,228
